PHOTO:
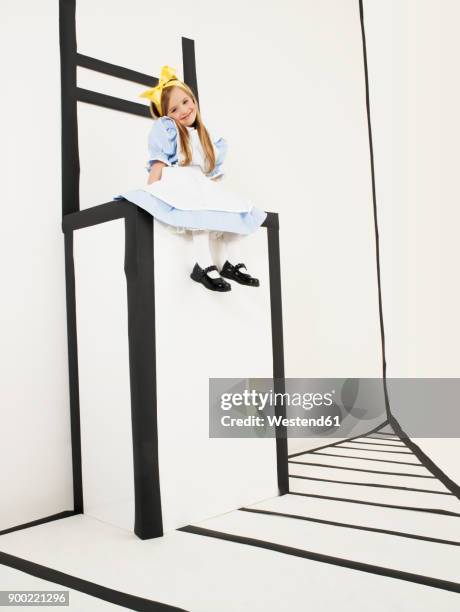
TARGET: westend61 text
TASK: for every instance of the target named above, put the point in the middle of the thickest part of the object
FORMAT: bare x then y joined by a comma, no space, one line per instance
277,421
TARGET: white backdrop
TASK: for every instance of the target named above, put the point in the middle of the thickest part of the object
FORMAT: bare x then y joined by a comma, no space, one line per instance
294,116
415,96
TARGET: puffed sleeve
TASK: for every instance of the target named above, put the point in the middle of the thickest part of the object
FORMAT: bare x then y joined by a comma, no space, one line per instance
162,142
221,147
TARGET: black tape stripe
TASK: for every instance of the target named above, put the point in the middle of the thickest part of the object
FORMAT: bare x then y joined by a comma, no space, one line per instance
116,71
376,445
46,519
130,602
117,209
380,433
105,101
313,556
278,353
312,519
341,467
376,450
427,462
370,459
364,502
336,443
371,484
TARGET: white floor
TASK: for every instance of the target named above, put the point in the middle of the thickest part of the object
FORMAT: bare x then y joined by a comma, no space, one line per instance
200,573
205,574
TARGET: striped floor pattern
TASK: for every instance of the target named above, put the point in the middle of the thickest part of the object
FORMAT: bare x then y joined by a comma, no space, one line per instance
366,503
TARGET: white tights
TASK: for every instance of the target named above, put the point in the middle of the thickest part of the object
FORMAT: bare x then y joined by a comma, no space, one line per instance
225,246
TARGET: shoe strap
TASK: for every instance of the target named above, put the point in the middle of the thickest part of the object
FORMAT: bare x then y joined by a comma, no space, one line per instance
209,268
240,265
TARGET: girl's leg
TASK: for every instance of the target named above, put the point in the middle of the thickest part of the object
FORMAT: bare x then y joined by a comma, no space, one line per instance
227,247
203,255
229,255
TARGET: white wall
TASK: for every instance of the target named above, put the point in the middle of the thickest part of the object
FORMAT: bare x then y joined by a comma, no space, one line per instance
283,82
415,95
35,459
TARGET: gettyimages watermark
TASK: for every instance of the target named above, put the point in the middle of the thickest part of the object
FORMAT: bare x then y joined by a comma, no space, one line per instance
332,407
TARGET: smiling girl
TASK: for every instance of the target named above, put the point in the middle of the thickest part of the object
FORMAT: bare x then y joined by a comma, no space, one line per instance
183,188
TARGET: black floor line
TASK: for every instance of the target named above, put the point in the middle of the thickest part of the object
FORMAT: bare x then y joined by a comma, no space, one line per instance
381,433
378,445
338,441
313,556
373,484
412,536
388,436
425,459
385,433
46,519
376,450
371,459
341,467
379,504
130,602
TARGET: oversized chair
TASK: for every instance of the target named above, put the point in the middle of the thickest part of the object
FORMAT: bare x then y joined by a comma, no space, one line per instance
142,349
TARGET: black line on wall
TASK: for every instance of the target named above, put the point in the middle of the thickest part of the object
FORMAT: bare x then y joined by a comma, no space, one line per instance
428,463
278,352
374,202
139,270
189,65
116,71
118,104
72,356
69,130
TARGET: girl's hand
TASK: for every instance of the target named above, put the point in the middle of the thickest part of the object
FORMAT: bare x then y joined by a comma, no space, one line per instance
155,172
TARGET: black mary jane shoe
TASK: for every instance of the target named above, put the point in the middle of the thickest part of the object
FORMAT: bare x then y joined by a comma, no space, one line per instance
234,273
200,275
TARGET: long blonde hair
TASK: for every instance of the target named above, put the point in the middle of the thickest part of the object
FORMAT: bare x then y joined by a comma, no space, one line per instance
203,135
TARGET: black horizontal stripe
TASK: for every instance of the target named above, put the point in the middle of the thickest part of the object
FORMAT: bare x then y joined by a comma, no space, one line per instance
379,504
341,467
376,450
105,101
335,443
379,445
372,484
311,519
117,71
382,433
314,556
370,459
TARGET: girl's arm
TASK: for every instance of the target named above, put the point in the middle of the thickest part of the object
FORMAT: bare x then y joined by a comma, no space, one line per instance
155,172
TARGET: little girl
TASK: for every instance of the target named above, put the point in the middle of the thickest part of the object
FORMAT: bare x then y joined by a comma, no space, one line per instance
182,191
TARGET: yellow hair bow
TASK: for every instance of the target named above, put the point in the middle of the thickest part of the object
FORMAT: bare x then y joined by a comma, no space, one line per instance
168,78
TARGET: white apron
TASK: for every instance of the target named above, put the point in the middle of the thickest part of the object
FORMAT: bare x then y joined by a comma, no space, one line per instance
188,187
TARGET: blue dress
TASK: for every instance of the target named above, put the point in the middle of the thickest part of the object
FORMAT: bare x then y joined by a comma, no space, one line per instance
185,198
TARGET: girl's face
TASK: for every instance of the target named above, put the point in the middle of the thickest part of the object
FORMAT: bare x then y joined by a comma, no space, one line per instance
181,107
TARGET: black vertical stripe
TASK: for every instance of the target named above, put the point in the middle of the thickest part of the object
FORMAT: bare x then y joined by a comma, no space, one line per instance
139,270
277,349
